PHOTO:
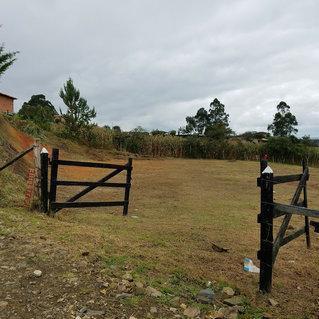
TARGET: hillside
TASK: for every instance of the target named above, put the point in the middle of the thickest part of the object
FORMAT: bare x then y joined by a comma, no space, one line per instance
96,260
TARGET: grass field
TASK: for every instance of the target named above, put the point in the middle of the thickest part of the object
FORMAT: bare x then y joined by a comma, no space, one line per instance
178,209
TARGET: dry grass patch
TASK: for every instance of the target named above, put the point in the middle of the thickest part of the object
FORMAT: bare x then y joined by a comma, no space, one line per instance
178,208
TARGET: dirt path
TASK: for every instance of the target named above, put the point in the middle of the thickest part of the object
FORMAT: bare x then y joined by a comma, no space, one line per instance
69,286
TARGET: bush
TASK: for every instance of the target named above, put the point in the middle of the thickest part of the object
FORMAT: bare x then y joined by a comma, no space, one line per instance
26,126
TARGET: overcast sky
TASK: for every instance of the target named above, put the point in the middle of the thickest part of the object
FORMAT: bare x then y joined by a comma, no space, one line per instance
153,62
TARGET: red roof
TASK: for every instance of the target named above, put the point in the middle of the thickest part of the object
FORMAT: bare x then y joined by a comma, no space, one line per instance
9,96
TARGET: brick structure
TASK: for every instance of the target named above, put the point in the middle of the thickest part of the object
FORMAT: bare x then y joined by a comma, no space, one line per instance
6,103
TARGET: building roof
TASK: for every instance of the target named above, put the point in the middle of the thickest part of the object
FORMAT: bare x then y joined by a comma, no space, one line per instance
9,96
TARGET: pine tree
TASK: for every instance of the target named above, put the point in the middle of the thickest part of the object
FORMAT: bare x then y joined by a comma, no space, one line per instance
79,115
6,59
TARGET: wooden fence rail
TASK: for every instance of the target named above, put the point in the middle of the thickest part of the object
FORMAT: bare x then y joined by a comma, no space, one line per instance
269,210
17,157
49,199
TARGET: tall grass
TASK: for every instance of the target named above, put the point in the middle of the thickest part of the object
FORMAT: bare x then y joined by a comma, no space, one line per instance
278,149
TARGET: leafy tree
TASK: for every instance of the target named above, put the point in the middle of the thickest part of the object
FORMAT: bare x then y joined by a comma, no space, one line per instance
139,129
213,123
198,123
158,132
284,123
306,140
251,135
116,129
218,131
39,110
6,59
79,115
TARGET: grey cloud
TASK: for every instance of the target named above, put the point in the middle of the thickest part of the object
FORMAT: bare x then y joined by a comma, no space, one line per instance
152,63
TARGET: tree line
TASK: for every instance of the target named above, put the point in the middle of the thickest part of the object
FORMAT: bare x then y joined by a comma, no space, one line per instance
207,134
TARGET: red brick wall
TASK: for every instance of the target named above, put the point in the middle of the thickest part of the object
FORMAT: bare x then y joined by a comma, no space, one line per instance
6,104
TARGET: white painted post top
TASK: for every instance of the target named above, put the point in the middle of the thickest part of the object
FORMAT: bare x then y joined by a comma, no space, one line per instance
44,150
267,170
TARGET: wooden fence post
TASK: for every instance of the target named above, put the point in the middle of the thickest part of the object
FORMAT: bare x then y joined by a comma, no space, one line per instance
44,180
54,175
128,186
305,204
265,218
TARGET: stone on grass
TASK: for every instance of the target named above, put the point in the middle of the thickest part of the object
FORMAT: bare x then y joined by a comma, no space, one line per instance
153,310
228,291
172,309
229,313
93,313
153,292
3,304
216,314
234,301
127,276
139,285
273,302
205,296
191,312
85,312
37,273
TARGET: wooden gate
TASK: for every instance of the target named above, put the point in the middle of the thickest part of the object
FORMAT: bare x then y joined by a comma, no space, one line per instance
269,247
49,202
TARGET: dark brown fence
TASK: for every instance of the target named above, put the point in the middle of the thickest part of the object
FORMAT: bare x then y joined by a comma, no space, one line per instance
17,157
269,210
48,198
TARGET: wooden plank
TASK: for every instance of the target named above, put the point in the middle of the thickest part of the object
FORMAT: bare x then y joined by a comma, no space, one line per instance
266,229
286,178
287,217
277,213
54,175
300,187
295,210
91,164
128,187
90,188
305,204
20,155
83,183
292,236
60,205
283,179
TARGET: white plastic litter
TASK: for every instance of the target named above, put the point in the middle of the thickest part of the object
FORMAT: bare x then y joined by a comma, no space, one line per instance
249,266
